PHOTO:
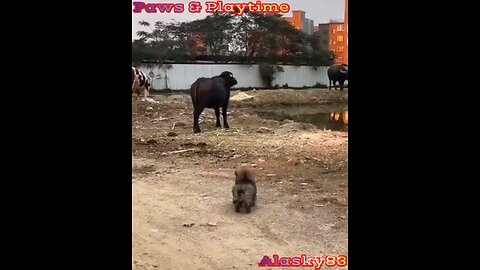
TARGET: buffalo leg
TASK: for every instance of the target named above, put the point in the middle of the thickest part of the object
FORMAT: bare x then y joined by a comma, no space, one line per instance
335,85
341,84
329,84
247,208
217,115
196,114
224,114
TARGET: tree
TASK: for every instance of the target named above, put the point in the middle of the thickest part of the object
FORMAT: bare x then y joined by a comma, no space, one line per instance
319,56
156,44
269,37
216,31
250,38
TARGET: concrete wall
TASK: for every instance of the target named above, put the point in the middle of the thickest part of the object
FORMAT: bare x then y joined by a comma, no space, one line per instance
181,76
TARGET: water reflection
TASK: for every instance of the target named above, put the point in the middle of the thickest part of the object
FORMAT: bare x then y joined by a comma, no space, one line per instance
336,120
339,116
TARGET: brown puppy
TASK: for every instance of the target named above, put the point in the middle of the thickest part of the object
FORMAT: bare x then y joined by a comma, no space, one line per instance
244,190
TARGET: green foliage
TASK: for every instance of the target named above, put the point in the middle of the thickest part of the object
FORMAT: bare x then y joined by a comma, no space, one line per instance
267,73
249,39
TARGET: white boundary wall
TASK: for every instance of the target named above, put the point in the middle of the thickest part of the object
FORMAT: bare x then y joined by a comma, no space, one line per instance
181,76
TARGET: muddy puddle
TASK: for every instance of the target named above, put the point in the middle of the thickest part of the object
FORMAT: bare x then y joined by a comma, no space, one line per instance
333,118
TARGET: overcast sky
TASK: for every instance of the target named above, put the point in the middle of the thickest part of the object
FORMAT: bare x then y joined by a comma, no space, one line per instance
320,11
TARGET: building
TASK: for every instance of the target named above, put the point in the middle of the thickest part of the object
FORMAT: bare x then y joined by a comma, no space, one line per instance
346,33
299,21
334,37
322,33
337,41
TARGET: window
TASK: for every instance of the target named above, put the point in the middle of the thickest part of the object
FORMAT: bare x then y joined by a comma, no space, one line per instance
340,38
340,49
333,31
340,27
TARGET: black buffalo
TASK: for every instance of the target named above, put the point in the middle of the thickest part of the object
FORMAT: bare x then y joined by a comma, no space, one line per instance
337,73
212,93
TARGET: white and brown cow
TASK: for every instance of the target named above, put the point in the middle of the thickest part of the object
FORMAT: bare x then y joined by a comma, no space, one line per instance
140,83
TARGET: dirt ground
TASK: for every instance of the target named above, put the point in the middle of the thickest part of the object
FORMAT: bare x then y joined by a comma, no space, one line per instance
182,211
